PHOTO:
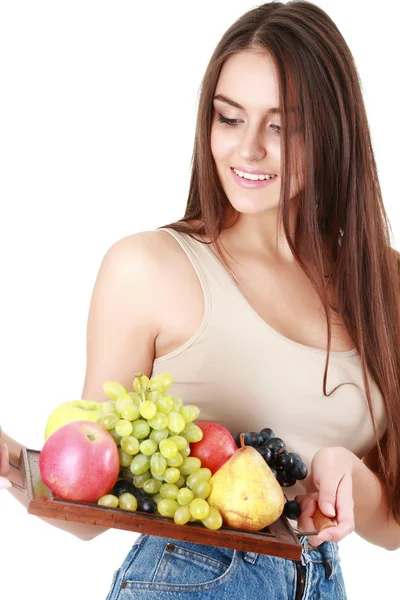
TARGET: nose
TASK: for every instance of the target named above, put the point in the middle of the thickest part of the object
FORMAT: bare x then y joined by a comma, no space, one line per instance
252,145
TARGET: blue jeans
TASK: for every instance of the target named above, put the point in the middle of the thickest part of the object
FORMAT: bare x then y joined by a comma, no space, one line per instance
159,568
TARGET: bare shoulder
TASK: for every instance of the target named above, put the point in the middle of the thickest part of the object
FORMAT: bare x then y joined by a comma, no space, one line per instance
146,258
156,256
124,317
143,245
129,307
143,250
137,268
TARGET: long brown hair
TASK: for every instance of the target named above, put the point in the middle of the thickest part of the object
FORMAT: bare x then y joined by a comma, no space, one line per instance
349,227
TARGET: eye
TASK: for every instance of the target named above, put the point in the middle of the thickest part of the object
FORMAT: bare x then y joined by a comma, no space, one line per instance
276,129
225,121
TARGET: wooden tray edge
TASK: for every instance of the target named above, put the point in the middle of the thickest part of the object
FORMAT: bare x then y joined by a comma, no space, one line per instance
260,542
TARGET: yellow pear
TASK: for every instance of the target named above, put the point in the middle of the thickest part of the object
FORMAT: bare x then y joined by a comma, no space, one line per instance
246,492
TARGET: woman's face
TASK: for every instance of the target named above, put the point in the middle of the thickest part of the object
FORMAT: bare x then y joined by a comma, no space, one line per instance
247,137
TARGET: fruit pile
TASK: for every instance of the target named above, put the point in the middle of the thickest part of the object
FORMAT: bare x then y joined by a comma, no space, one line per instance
152,457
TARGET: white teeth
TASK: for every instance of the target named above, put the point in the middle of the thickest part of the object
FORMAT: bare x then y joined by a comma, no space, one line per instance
253,177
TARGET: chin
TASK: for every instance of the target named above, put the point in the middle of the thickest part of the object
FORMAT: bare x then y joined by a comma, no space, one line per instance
248,206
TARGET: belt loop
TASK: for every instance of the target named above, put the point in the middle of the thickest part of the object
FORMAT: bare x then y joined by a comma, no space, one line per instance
305,557
250,557
305,542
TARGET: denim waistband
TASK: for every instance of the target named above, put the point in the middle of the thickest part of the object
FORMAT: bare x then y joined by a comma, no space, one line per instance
326,553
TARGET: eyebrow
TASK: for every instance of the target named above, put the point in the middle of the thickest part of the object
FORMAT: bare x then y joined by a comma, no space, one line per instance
237,105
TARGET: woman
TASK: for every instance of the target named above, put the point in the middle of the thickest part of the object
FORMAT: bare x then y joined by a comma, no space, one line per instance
247,299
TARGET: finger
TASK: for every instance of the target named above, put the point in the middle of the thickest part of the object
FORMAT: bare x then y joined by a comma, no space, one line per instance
345,512
300,497
304,500
4,483
4,460
328,497
308,505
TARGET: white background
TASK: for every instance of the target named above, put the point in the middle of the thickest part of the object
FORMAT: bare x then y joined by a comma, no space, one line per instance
97,112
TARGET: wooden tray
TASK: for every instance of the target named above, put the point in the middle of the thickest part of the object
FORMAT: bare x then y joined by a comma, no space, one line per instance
279,539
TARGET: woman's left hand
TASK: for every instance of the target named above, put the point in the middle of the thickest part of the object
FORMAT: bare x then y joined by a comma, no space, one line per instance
329,488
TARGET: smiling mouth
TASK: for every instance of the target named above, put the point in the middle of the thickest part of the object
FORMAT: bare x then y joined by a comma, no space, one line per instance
255,182
253,176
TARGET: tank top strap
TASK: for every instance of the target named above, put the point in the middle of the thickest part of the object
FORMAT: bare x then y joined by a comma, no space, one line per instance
213,277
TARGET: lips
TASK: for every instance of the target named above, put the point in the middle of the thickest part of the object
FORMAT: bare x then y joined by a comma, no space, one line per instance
252,183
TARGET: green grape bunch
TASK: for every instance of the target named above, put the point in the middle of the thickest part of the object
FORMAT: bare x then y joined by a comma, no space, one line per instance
153,432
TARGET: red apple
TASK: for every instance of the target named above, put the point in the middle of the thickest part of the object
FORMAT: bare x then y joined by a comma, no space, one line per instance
80,462
216,446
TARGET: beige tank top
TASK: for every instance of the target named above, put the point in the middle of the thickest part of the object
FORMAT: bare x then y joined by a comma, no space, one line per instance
246,376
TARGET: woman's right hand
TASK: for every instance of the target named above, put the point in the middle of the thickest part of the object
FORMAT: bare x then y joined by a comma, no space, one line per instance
4,465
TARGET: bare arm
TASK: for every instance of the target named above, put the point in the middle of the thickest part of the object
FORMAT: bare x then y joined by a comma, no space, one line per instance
371,507
371,502
121,331
123,316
